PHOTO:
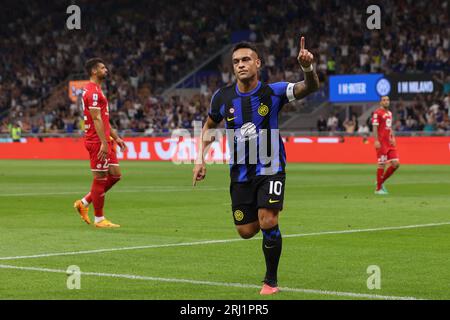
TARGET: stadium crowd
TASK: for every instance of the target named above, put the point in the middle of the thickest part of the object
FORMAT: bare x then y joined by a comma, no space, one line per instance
38,54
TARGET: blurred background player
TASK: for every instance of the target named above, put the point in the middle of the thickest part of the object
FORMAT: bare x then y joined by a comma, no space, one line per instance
257,189
99,141
385,145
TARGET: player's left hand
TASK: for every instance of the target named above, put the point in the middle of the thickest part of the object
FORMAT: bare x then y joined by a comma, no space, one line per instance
305,58
122,145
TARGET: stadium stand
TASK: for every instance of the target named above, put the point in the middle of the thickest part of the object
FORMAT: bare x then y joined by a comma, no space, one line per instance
38,56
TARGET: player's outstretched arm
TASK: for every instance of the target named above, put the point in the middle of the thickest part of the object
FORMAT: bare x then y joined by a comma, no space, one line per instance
199,171
311,82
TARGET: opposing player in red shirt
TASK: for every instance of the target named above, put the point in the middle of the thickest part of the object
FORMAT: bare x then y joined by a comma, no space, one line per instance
99,142
385,145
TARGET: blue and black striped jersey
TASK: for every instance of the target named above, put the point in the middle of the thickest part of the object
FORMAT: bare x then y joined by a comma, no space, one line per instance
251,120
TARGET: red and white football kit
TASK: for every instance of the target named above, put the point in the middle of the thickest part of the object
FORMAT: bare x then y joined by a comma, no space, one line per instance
382,121
93,98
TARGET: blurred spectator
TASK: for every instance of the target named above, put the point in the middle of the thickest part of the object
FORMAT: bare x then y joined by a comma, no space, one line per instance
350,125
332,123
321,124
364,129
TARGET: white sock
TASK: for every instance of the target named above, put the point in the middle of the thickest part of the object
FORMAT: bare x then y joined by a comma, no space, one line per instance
99,219
85,203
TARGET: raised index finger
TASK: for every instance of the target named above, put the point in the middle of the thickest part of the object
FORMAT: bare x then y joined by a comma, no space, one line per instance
302,43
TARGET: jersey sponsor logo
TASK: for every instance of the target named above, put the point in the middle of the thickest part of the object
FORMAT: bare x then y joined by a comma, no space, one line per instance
230,118
246,133
238,215
263,110
248,129
388,123
273,201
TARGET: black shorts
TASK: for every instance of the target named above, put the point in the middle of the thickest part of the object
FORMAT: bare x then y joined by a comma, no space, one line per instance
259,192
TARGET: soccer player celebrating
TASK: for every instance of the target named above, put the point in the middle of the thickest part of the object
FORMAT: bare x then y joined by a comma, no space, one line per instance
385,144
99,141
250,107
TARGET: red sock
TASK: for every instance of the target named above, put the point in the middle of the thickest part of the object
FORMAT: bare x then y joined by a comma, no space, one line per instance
98,195
389,173
112,180
380,172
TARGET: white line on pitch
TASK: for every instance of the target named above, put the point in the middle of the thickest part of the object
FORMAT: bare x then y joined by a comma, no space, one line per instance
216,284
115,191
196,243
368,230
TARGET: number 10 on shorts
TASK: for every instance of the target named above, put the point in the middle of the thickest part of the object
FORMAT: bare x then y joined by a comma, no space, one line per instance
275,187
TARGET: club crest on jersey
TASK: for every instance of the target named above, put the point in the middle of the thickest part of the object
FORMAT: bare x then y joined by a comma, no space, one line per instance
238,215
231,110
263,110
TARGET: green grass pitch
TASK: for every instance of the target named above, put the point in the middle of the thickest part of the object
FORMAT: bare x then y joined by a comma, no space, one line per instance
157,206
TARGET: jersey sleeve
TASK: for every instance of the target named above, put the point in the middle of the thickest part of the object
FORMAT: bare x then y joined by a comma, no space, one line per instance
215,109
284,90
90,99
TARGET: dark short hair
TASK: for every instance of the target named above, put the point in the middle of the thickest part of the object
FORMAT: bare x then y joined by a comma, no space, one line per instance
91,64
245,45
